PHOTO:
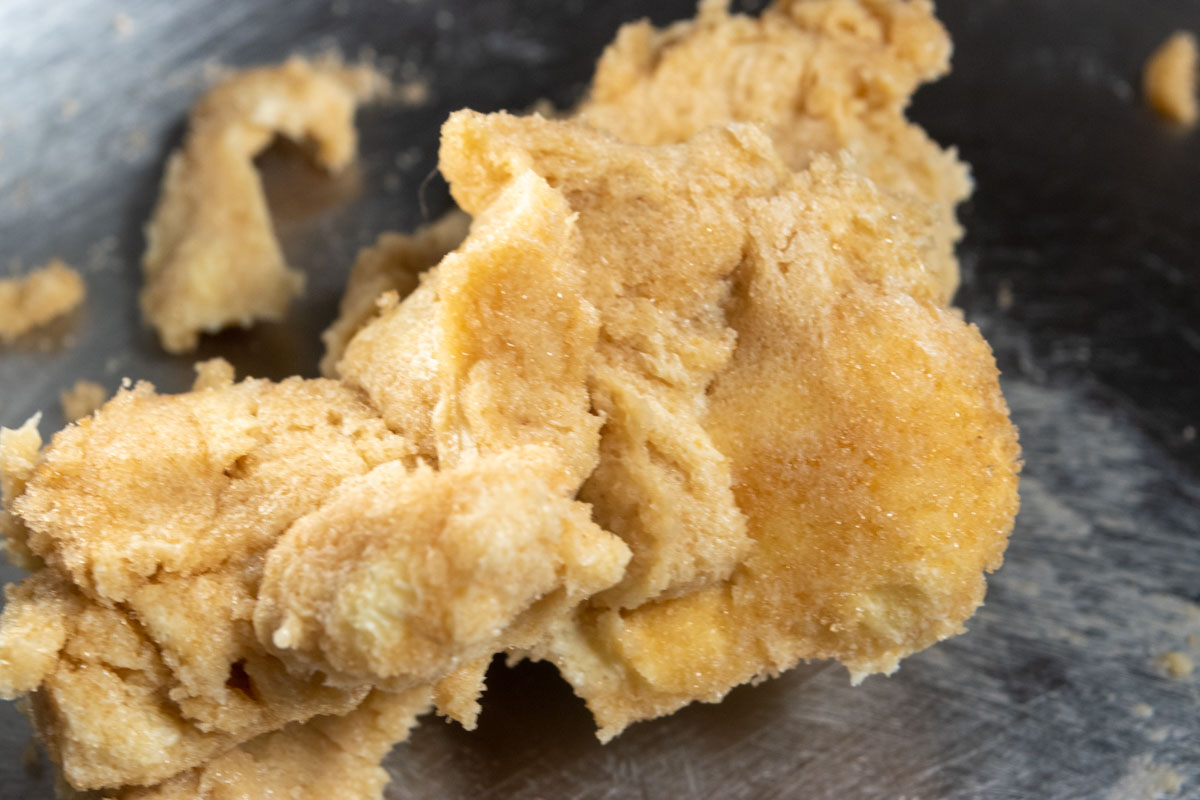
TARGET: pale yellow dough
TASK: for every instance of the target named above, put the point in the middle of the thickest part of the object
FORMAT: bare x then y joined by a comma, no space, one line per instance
868,448
212,260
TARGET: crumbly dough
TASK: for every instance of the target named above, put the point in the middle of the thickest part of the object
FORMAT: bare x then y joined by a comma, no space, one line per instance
139,616
212,260
82,399
685,407
393,264
866,442
216,373
43,295
505,416
820,76
1169,79
153,519
19,452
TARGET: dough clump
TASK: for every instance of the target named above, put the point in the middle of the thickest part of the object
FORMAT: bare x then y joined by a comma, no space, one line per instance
212,260
43,295
684,407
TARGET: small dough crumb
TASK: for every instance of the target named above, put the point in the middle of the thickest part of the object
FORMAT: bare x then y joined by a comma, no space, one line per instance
1169,79
82,399
1142,710
39,297
1176,664
413,93
1146,780
123,24
216,373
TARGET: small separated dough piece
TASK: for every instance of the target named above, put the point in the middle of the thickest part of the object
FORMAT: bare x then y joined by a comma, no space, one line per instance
820,76
41,296
82,399
326,757
1169,79
212,259
393,264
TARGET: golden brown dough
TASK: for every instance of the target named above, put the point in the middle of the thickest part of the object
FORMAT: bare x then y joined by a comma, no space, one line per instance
783,323
775,335
43,295
394,264
212,260
869,447
404,574
657,265
82,399
732,346
820,76
1169,79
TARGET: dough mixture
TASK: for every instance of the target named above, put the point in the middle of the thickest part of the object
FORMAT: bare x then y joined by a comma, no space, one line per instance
685,406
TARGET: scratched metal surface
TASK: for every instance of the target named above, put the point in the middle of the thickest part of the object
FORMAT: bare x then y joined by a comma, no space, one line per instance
1081,265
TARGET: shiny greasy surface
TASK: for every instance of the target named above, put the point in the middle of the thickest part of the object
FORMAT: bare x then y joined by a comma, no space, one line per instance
1082,240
